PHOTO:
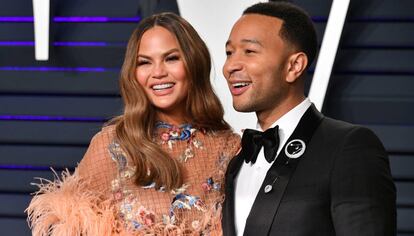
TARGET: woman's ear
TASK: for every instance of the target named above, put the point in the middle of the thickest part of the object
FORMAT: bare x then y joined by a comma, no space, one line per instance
297,64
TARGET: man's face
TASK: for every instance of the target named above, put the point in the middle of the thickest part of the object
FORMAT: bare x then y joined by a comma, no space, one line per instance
256,64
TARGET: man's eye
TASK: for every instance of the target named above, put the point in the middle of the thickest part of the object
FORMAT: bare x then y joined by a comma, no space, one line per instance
228,53
248,51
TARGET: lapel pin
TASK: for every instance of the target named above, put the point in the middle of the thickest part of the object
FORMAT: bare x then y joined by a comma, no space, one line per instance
269,187
295,148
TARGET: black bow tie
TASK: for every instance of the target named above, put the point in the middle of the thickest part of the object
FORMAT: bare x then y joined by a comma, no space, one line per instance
253,140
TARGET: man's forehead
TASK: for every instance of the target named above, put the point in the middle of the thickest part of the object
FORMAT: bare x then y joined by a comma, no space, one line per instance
259,19
255,23
254,29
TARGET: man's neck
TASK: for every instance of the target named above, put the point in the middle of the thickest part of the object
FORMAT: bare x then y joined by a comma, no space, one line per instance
268,117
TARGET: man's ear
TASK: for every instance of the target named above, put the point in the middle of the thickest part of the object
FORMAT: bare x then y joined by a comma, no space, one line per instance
297,64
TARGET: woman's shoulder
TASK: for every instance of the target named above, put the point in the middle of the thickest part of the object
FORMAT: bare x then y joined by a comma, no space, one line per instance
99,147
97,161
106,134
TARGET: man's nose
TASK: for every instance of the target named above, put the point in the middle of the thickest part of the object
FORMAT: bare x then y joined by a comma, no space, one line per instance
232,64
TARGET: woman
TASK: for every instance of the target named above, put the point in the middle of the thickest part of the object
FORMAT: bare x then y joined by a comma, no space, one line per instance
158,169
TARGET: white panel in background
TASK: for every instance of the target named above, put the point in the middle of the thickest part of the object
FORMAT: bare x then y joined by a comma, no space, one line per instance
327,52
213,20
41,13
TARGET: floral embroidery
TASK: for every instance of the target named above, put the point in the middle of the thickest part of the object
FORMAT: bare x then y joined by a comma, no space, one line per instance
168,220
221,164
124,171
210,184
195,224
134,214
174,133
185,201
136,217
184,132
117,155
180,190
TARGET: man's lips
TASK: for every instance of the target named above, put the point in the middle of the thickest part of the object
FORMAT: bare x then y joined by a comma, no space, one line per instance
238,88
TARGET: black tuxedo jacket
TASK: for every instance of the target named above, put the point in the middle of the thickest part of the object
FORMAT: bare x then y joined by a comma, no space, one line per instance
341,185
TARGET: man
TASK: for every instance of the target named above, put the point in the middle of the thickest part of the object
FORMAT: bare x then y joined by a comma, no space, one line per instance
307,174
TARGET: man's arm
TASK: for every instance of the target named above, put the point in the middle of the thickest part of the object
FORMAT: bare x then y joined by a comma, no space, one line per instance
363,196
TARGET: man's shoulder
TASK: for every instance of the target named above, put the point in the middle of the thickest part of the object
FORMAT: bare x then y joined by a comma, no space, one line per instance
339,125
338,129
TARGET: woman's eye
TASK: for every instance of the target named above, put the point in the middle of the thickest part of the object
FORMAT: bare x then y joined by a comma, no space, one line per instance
140,63
173,58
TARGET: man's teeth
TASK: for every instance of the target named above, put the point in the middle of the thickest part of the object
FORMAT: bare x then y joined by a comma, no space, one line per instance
240,84
162,86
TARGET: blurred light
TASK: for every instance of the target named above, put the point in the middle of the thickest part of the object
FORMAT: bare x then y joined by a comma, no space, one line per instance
65,44
17,43
95,19
21,167
327,52
50,118
69,69
16,19
67,19
41,14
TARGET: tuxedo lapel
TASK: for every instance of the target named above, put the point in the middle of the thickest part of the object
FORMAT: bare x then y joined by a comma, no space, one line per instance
228,205
265,205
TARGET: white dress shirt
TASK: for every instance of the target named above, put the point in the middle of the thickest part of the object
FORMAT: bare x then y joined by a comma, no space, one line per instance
251,176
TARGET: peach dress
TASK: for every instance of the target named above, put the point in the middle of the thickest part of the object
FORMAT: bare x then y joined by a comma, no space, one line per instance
100,198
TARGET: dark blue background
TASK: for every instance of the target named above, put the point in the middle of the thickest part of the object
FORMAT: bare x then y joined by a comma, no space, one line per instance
48,118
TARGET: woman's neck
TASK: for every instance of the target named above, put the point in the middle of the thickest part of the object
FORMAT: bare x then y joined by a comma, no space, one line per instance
174,118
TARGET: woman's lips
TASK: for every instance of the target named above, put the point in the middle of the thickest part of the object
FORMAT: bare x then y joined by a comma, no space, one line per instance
163,89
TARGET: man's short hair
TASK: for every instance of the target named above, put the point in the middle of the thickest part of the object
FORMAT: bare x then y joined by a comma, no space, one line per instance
297,28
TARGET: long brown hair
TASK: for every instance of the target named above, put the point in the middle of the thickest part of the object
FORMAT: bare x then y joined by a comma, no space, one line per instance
135,128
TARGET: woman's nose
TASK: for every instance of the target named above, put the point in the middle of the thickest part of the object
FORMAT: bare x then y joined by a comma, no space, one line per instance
159,71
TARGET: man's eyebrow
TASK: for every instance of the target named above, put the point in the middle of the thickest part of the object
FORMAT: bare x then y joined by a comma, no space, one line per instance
254,41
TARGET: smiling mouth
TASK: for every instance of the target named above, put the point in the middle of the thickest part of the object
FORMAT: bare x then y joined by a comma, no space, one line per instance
158,87
241,84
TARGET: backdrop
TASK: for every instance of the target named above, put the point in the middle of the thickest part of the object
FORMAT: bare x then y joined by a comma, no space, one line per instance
50,110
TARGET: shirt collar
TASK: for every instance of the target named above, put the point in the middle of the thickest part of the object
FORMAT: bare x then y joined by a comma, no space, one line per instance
292,117
288,122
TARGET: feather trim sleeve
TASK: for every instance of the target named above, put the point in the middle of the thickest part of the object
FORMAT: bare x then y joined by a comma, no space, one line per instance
65,207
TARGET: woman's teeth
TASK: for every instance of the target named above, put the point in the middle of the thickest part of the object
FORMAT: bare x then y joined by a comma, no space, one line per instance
162,86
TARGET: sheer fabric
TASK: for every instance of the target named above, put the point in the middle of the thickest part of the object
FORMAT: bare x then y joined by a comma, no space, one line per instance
103,185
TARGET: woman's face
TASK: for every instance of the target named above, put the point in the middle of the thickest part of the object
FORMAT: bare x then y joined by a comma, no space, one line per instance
161,70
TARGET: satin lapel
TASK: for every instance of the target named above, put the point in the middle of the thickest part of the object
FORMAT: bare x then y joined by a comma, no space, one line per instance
228,205
265,205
